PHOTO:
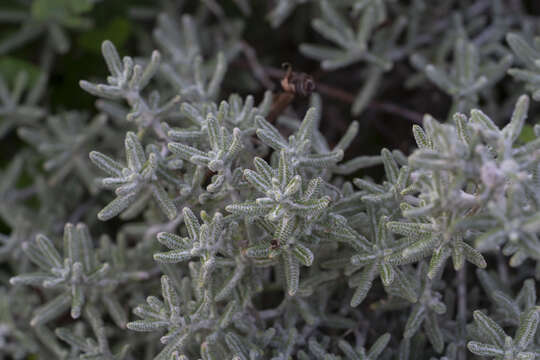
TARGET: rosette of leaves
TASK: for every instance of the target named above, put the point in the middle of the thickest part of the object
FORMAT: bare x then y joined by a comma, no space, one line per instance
507,308
233,112
179,42
353,45
378,260
65,143
127,81
317,350
9,177
203,241
469,73
17,340
216,245
472,148
318,143
206,122
505,160
529,57
200,87
187,314
287,212
367,43
239,347
135,183
421,239
79,275
298,148
441,216
87,348
19,105
218,156
515,228
18,212
493,341
10,244
394,189
52,18
12,211
184,68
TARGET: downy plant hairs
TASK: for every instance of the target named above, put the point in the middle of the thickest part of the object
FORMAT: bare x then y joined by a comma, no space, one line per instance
188,212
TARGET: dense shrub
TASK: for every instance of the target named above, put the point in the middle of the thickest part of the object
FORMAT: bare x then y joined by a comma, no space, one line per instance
376,197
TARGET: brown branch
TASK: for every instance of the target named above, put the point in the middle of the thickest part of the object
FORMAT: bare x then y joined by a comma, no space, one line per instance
337,93
346,97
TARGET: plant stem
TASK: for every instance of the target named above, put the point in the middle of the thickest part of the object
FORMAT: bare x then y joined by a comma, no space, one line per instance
462,311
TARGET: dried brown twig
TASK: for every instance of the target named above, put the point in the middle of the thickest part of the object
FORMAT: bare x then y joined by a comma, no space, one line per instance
346,97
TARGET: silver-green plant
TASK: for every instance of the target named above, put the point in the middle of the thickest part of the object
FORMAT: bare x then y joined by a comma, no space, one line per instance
239,230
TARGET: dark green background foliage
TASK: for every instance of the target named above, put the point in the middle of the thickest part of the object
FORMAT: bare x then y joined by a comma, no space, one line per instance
156,202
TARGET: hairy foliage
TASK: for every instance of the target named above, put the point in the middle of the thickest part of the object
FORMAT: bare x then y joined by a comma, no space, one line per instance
237,229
